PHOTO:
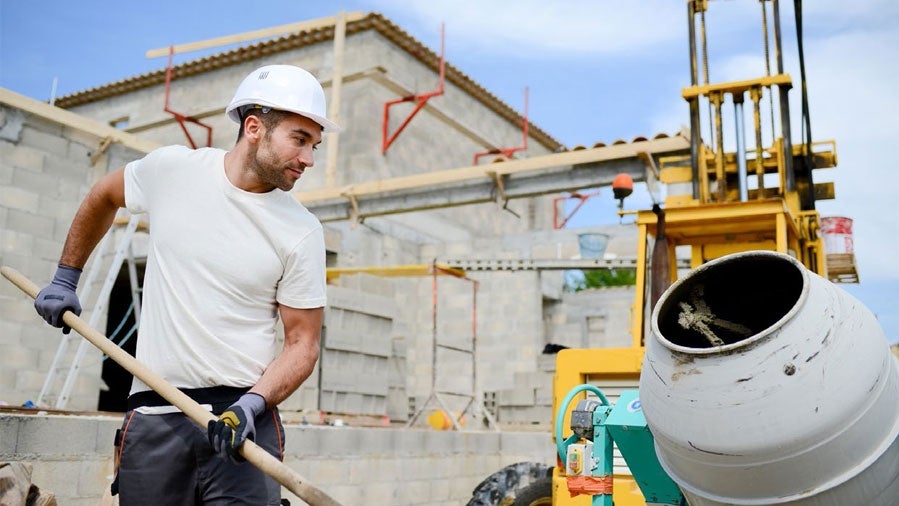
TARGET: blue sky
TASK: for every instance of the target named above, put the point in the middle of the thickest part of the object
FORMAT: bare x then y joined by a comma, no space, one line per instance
597,71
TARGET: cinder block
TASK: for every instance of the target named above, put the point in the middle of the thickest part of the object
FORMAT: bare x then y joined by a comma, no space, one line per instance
94,475
544,395
55,436
383,492
516,397
34,136
9,433
24,157
302,442
359,341
58,476
410,441
362,302
82,147
18,198
106,427
33,180
386,468
332,471
413,491
12,238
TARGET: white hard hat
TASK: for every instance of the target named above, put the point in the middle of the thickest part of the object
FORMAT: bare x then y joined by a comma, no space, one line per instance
285,88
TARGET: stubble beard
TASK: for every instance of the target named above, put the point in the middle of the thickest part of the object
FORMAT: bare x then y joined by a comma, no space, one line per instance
269,170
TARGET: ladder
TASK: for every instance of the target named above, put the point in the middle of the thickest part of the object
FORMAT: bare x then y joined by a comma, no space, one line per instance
123,251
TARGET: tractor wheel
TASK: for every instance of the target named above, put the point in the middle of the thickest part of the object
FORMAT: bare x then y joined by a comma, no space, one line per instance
501,487
538,493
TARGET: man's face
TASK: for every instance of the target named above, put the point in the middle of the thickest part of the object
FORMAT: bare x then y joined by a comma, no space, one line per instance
285,152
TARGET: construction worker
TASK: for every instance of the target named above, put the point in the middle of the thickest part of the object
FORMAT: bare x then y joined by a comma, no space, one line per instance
230,250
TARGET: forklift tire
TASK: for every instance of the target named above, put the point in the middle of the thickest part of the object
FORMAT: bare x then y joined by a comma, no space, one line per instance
501,487
538,493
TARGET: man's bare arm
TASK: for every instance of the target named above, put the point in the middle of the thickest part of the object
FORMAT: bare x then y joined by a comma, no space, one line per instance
93,219
302,335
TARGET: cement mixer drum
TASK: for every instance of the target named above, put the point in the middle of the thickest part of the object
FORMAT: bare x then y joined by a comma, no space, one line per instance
764,383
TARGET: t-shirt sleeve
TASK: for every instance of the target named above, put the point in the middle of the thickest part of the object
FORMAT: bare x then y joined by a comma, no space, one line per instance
143,178
303,284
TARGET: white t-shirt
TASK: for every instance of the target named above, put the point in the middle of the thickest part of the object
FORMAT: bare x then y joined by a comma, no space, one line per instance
219,261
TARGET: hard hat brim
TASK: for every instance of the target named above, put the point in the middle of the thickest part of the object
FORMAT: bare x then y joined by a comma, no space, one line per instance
327,125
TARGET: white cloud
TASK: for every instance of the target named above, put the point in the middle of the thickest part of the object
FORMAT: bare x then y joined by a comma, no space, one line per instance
531,28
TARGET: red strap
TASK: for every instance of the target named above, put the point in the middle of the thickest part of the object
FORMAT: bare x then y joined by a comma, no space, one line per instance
590,485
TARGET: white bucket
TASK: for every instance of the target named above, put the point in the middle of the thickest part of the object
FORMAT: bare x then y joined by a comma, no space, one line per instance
799,403
592,245
837,234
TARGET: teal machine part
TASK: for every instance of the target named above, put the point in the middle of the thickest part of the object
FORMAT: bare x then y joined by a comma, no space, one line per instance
627,425
596,424
587,452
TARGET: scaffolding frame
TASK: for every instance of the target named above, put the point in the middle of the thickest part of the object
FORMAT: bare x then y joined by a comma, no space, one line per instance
474,400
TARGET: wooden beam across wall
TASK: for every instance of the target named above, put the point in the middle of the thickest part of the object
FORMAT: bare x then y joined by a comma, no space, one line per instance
528,177
301,26
75,121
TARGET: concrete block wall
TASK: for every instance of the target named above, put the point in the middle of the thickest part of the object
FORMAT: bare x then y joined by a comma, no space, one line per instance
525,310
358,347
594,318
45,171
72,457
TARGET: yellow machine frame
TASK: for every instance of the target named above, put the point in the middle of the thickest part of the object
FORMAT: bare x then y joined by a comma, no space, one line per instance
720,216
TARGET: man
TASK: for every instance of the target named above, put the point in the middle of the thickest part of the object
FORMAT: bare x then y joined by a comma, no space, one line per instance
229,252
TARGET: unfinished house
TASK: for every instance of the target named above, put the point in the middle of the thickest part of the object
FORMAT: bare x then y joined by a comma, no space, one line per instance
446,269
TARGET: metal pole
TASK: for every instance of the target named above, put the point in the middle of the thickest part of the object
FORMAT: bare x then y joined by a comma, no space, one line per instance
784,104
720,175
755,94
741,147
695,134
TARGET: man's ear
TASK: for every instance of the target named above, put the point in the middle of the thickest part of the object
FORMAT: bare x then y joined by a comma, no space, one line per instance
253,128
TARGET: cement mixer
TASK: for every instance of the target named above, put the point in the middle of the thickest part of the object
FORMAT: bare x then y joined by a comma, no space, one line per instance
764,383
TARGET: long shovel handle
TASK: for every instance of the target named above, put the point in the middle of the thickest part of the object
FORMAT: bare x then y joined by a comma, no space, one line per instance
250,451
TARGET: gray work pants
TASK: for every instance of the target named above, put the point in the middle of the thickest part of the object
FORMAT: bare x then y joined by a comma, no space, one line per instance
167,460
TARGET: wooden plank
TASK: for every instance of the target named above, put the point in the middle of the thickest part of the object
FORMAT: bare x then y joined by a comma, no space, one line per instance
311,24
414,270
334,105
75,121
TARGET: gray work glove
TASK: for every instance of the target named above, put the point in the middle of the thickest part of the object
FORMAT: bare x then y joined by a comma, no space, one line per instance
236,425
59,296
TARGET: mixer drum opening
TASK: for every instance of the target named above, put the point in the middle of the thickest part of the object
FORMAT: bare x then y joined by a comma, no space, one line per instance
733,302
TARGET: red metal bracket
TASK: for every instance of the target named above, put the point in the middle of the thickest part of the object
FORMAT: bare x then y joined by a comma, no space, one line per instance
420,99
508,152
169,71
560,222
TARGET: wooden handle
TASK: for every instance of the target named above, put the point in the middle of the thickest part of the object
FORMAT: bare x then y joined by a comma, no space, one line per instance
250,451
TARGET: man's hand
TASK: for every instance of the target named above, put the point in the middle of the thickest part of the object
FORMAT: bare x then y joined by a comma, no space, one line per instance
237,424
59,296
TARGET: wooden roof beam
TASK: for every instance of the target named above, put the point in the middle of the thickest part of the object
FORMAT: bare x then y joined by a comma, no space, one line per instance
312,24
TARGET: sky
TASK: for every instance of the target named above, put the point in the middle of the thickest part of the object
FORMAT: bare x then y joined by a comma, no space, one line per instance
595,70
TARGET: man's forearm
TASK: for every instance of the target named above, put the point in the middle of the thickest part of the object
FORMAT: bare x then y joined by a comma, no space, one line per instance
287,372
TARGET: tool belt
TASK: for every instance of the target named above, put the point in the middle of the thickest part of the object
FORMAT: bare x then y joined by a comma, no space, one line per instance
220,398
